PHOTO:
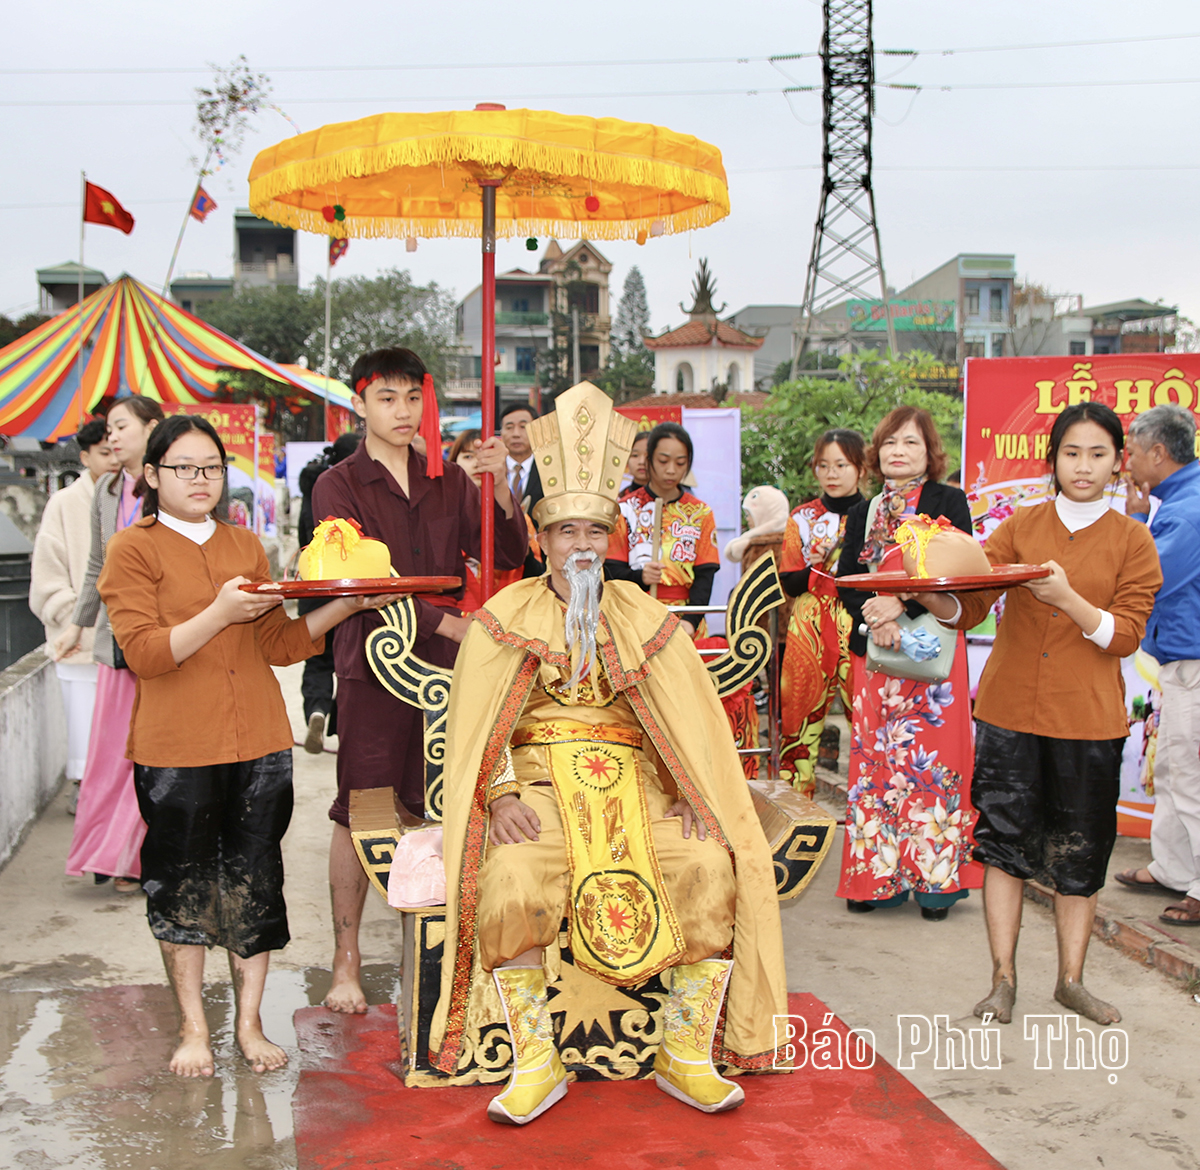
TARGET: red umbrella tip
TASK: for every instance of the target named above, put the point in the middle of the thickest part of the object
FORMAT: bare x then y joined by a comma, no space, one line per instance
490,106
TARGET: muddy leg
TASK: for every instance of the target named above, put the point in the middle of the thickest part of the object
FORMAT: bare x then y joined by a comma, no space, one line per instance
249,978
347,893
1003,897
185,970
1073,924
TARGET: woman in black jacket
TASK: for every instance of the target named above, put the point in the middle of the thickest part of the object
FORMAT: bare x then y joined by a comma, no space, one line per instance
909,816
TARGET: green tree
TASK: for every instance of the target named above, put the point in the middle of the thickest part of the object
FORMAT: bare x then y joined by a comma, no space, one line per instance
287,324
373,312
279,323
630,370
10,330
778,438
632,321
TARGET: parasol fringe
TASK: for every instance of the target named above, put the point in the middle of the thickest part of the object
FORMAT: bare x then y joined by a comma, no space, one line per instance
521,154
368,227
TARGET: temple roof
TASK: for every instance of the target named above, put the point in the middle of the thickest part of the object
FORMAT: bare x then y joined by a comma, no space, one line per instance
699,333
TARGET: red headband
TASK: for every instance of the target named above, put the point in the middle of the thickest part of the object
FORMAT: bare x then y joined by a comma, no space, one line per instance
431,423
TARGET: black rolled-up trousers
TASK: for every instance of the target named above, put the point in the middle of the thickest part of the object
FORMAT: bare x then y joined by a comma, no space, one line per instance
1047,807
212,867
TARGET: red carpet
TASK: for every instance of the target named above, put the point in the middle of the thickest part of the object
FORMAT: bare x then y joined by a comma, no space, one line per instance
352,1112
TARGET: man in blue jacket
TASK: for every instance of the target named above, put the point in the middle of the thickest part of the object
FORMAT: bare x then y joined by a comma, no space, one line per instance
1162,463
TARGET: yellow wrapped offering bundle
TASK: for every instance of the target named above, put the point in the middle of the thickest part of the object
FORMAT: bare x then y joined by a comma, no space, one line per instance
339,551
935,548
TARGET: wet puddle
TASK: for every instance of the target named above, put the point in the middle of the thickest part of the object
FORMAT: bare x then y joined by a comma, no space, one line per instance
83,1081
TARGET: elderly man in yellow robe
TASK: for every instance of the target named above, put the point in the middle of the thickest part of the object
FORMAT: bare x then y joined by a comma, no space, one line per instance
592,775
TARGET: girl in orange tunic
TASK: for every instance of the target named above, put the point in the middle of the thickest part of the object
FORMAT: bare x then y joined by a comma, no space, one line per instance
1050,717
816,659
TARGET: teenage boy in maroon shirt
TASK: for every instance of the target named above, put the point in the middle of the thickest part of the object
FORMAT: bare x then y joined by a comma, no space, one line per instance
428,514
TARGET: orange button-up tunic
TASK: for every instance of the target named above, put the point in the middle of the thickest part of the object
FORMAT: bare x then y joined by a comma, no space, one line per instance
1043,676
223,704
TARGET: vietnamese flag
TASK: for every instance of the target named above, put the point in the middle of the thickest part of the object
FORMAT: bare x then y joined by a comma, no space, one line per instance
101,207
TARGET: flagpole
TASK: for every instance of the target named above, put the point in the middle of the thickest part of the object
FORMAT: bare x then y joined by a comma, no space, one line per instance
166,292
328,302
79,309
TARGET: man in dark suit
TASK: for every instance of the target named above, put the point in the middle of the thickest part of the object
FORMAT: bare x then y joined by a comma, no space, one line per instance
521,470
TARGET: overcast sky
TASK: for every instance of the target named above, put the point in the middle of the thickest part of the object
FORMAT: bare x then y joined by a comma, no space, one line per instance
1091,186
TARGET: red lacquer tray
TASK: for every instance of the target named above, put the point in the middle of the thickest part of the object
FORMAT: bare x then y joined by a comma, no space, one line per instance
351,587
1001,577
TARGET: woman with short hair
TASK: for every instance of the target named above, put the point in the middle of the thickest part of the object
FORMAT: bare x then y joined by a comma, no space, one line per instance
909,816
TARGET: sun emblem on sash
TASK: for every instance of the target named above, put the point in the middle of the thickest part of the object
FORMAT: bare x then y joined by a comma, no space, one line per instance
597,768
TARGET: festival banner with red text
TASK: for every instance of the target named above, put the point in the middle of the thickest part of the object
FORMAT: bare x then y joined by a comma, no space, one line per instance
1011,404
264,486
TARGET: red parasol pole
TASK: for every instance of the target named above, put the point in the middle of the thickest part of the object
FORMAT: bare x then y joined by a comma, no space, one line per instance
487,546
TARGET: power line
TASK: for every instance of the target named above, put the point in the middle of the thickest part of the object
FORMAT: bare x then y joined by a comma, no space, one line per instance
569,95
407,67
979,169
524,66
1061,44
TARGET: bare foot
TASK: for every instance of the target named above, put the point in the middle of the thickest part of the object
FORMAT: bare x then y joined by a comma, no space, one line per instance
261,1055
1077,997
1000,1003
346,995
193,1058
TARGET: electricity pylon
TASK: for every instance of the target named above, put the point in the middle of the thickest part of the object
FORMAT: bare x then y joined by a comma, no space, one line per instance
846,258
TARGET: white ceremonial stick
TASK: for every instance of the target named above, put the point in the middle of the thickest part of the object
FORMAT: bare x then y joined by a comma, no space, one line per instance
656,541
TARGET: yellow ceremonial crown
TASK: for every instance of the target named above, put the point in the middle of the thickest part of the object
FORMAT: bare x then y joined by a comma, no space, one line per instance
580,451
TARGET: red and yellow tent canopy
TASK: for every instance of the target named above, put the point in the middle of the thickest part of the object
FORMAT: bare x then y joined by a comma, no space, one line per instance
134,342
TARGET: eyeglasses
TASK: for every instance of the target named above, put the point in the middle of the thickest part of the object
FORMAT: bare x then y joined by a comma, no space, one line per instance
187,471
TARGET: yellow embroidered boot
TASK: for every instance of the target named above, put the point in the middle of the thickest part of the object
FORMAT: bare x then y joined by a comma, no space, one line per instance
538,1078
683,1067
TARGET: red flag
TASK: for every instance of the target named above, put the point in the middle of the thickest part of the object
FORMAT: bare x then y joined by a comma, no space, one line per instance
99,206
337,249
202,205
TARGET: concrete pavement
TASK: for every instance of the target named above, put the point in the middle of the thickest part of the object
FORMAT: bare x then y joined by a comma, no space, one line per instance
85,1023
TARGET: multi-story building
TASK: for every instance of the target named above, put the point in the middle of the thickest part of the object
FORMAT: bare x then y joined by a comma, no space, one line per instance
264,256
58,286
194,288
964,308
776,325
1062,325
562,307
979,287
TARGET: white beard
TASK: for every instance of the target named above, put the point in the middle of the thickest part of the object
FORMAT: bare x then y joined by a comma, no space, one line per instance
586,580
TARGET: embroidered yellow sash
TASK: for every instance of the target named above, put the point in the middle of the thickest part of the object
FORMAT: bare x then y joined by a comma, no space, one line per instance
622,926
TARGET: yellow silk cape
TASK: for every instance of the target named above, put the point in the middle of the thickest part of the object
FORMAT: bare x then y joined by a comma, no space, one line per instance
648,657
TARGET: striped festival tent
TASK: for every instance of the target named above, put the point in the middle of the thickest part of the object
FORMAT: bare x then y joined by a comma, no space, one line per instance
134,342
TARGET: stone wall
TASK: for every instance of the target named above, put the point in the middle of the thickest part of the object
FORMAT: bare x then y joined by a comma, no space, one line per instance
24,504
33,744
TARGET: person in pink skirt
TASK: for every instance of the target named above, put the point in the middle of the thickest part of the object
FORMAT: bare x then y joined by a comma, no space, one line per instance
108,826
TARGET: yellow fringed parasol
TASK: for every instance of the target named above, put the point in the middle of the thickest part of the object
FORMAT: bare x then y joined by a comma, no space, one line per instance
561,175
488,172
